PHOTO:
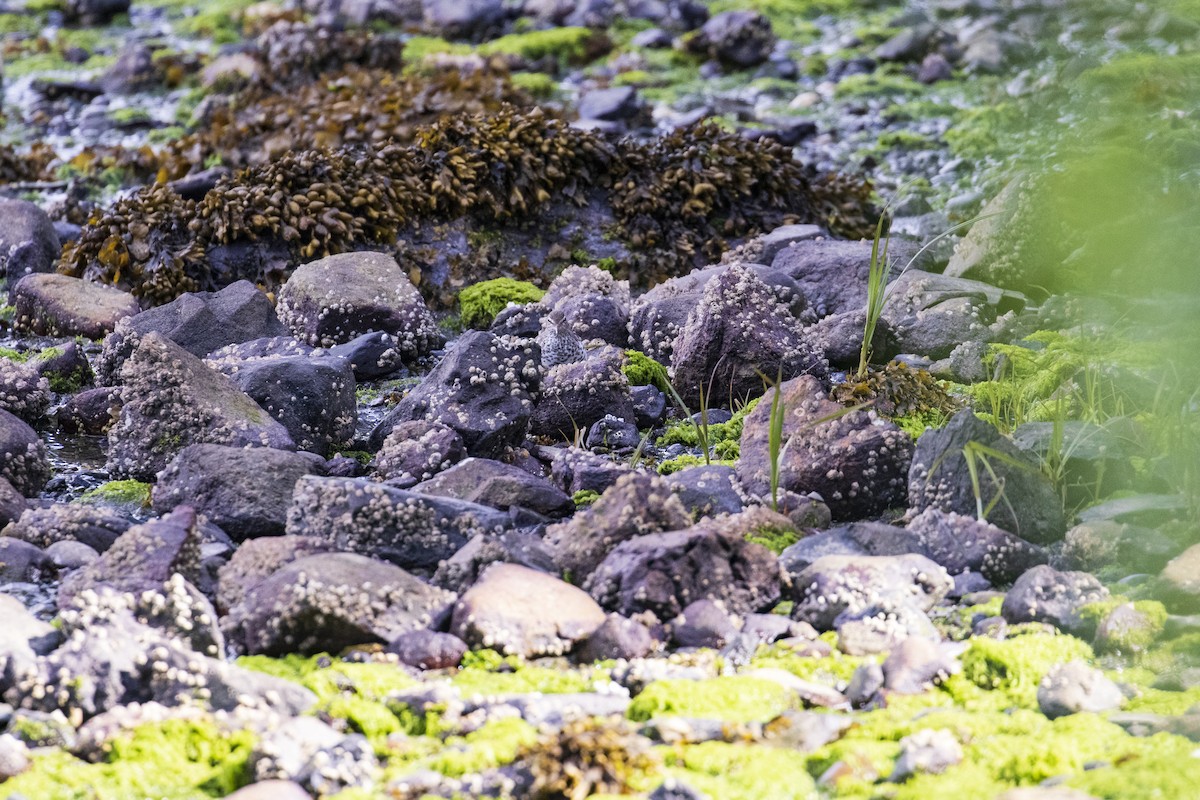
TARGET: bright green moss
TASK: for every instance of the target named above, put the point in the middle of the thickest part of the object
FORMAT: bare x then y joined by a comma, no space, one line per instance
121,492
1157,701
585,497
34,63
742,771
495,744
642,370
1014,667
832,670
479,304
774,539
20,23
874,85
1140,638
684,431
178,759
371,719
673,465
538,84
418,48
1167,768
570,45
517,678
372,681
728,698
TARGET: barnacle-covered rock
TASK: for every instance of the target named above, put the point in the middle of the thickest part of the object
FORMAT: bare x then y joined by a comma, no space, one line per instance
59,305
28,241
856,461
257,559
96,527
514,609
498,485
412,530
24,461
336,299
417,450
578,394
23,391
738,39
483,388
593,303
665,572
244,491
170,400
836,585
1023,500
322,602
737,334
296,53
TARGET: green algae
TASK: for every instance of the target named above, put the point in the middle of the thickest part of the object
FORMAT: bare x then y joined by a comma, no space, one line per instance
742,771
642,370
177,759
368,717
1015,666
727,698
775,539
329,678
120,492
684,431
585,497
1155,614
832,670
1168,769
1158,701
682,462
496,743
538,84
481,302
567,45
487,673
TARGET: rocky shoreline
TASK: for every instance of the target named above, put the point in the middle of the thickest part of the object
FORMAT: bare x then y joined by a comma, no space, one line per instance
412,400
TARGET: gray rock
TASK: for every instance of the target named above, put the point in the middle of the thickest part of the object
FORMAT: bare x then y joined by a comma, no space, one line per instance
244,491
498,485
69,554
738,332
1179,583
574,470
769,244
929,750
617,638
611,434
865,684
709,490
330,601
143,558
92,411
313,398
1090,546
483,388
931,314
738,39
199,322
95,527
1028,505
578,394
24,461
462,18
664,572
461,570
613,104
12,505
704,623
1075,687
21,562
831,273
833,585
637,505
22,638
961,543
271,790
856,462
170,400
1093,460
14,757
426,649
1043,594
94,12
412,530
23,392
257,559
918,663
417,451
59,305
520,611
338,298
373,355
838,338
28,241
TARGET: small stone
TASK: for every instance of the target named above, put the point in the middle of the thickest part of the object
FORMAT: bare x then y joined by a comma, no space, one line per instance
1075,687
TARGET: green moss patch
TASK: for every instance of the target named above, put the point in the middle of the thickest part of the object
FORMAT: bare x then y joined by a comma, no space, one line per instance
121,493
1015,666
742,772
479,304
728,698
642,370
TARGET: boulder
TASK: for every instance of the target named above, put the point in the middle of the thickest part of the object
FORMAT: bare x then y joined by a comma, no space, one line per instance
244,491
426,649
98,528
932,314
521,611
1044,594
412,530
339,298
707,491
28,241
12,504
1024,500
23,391
578,394
498,485
1075,687
92,411
456,19
961,543
24,461
483,388
170,400
737,333
738,39
857,462
59,305
833,585
257,559
326,602
416,451
21,562
459,572
665,572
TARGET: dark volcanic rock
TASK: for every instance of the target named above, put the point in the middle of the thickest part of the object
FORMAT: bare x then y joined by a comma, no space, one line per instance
418,450
170,400
21,562
518,610
578,394
707,491
244,491
28,241
92,411
199,322
1044,594
1028,505
426,649
59,305
459,572
665,572
960,543
339,298
412,530
143,558
738,332
638,504
932,314
23,458
322,603
499,485
12,504
96,527
833,585
483,388
618,637
257,559
857,462
738,39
